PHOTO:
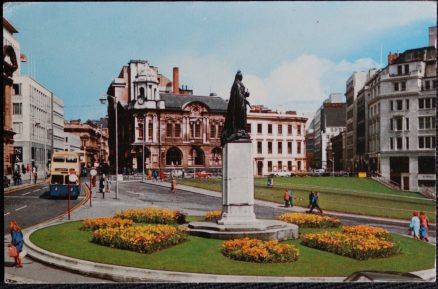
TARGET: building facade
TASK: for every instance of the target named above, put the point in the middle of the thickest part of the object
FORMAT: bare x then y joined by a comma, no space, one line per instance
403,114
31,118
278,140
329,120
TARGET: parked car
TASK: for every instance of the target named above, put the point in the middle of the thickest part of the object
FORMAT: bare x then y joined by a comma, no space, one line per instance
6,182
203,174
282,173
382,276
177,173
318,172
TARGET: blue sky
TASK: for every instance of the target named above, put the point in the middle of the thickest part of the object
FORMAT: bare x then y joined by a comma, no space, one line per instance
292,54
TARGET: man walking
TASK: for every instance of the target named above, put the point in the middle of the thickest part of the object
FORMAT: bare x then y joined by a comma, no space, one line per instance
290,199
315,203
286,198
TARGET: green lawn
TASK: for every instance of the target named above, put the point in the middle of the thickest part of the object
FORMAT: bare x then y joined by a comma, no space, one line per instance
343,194
203,256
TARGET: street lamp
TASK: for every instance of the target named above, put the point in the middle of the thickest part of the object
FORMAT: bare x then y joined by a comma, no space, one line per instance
103,100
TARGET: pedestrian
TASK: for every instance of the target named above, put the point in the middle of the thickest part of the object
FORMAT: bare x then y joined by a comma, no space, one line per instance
291,199
35,175
286,198
315,203
424,227
101,183
161,176
149,174
155,175
310,199
414,225
173,185
16,241
183,174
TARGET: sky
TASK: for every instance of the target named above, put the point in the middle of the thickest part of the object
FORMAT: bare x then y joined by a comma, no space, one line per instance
292,54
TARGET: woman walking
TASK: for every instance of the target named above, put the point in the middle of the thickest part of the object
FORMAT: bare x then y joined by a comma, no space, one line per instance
173,186
17,241
414,226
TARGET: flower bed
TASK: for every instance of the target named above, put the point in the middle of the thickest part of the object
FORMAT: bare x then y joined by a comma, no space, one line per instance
361,247
310,220
365,230
144,239
213,215
253,250
153,216
107,222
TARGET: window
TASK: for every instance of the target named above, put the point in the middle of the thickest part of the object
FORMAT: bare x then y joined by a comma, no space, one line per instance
399,123
403,85
17,108
84,142
269,166
406,68
426,122
289,147
289,129
17,88
407,143
299,165
399,70
421,103
391,124
177,130
407,123
407,104
399,104
279,147
269,147
299,130
399,143
391,143
395,86
426,165
391,104
150,130
426,142
197,130
434,84
270,128
280,165
169,130
298,147
259,147
427,85
140,131
213,131
18,127
280,129
259,128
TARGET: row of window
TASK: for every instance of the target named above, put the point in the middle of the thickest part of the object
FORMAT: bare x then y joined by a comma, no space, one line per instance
280,166
400,68
427,84
424,142
279,147
279,129
424,122
426,103
398,104
174,130
400,86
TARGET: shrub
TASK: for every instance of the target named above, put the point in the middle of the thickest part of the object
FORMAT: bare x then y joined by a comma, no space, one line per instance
106,222
310,220
153,216
213,215
143,239
352,245
254,250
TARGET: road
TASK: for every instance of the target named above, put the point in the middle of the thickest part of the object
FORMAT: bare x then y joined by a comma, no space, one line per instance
137,195
31,206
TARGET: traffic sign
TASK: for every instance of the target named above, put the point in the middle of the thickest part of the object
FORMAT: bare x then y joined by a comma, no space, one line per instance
72,178
93,172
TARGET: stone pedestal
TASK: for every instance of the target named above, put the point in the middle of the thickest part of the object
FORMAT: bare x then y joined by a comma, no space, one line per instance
237,185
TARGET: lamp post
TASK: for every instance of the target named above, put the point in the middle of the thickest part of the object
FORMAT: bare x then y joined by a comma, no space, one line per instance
103,101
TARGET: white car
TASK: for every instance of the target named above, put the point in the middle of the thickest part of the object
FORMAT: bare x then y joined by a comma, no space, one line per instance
282,173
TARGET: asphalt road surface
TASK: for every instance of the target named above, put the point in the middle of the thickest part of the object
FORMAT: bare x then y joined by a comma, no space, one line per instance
31,206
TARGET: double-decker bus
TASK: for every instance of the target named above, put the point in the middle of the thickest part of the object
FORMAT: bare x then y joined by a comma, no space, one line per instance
64,163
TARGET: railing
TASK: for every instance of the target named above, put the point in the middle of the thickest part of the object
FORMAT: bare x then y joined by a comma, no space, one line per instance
384,181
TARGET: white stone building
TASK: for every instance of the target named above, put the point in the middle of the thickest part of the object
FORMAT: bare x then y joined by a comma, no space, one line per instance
31,120
402,119
278,140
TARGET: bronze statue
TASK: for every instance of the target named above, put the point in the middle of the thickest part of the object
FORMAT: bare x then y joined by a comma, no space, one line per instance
235,120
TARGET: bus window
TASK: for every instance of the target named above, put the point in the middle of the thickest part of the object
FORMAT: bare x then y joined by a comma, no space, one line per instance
57,179
71,159
58,159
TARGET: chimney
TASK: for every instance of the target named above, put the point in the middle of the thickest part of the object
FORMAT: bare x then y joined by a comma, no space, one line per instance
392,57
432,36
175,80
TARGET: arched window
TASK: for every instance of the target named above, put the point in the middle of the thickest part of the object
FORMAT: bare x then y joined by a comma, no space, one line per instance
216,157
141,91
173,157
147,159
197,156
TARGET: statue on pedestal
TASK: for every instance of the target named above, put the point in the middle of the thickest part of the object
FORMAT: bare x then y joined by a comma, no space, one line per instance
235,120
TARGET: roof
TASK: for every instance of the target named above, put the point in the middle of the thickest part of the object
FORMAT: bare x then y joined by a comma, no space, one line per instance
177,102
9,26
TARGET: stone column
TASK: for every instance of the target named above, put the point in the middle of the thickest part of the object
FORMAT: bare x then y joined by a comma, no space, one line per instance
154,129
237,185
147,128
207,129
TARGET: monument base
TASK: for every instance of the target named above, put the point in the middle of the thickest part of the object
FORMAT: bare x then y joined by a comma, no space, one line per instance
262,230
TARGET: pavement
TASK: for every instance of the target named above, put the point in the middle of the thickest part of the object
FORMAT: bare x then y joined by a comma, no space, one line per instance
187,198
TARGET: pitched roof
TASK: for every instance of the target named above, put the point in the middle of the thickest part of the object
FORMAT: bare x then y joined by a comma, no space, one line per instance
176,102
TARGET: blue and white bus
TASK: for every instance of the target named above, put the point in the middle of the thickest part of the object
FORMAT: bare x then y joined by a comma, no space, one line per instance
64,163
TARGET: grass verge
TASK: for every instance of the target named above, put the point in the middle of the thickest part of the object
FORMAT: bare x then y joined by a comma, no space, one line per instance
199,255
